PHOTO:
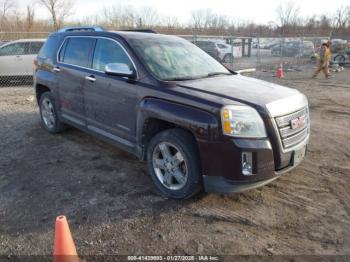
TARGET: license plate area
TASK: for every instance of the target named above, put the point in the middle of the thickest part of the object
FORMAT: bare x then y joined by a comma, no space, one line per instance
299,156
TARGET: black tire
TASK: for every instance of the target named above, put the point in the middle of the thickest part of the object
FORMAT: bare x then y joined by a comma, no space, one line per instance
228,58
187,146
339,59
57,126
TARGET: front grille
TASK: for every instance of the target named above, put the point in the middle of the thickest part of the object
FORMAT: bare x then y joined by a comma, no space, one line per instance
291,137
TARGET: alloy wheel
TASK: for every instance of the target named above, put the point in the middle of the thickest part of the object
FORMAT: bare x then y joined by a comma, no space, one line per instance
48,113
170,166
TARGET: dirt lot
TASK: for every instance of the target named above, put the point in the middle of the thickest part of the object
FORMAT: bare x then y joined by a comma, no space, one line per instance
113,207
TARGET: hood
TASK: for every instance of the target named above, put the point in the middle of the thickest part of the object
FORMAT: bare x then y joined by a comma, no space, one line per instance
254,92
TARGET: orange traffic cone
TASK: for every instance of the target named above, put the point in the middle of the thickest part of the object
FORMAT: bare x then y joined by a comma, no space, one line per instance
64,248
280,72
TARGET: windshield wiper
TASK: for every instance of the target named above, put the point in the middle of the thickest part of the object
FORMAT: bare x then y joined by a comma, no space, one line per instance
180,78
196,77
217,73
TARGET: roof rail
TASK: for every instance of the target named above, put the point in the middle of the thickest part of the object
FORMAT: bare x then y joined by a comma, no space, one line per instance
82,28
151,31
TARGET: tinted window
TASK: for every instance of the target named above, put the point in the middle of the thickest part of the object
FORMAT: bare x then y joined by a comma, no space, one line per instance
48,49
13,49
35,47
205,44
78,51
108,51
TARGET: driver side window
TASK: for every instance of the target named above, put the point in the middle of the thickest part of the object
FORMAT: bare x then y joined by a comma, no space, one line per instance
108,51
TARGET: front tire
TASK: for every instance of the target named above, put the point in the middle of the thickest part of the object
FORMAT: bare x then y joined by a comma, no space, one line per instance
49,114
173,163
228,58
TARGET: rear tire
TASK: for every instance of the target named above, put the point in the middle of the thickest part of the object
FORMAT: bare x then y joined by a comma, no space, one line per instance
339,59
174,165
49,114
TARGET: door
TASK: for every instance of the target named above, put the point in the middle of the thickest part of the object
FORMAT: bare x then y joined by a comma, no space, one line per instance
74,60
110,101
11,59
31,53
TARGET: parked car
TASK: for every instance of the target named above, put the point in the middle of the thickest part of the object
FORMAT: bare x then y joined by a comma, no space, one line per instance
269,43
294,49
341,58
197,124
219,50
338,45
16,59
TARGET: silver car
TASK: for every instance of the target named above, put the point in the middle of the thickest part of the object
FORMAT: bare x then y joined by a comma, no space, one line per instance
16,58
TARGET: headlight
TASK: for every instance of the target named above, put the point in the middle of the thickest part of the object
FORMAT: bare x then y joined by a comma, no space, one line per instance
242,121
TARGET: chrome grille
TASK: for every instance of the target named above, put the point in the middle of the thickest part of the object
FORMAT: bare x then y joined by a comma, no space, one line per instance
291,137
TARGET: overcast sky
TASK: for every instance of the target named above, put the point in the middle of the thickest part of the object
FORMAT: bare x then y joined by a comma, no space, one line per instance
259,11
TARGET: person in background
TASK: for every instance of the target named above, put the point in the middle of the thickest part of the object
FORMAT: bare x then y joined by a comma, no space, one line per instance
329,46
323,61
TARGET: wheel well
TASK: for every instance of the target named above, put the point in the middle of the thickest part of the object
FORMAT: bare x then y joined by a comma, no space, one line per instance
40,89
152,127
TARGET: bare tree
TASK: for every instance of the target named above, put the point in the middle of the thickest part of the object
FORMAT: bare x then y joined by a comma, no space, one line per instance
206,19
198,18
6,6
170,21
341,17
59,10
287,15
148,17
118,17
30,17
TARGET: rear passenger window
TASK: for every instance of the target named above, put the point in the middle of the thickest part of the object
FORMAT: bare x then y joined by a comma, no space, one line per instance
35,47
78,50
108,51
47,51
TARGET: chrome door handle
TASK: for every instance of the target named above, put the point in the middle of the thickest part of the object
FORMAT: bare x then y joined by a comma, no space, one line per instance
90,78
57,69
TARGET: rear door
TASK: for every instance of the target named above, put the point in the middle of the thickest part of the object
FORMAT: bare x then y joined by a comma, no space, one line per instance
73,61
110,101
11,59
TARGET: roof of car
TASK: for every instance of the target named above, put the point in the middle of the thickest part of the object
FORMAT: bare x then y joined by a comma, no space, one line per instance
27,40
123,34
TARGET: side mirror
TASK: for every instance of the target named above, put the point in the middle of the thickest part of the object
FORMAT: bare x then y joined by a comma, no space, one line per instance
119,69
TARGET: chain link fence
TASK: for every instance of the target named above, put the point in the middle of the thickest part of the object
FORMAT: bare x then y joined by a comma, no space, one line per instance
18,51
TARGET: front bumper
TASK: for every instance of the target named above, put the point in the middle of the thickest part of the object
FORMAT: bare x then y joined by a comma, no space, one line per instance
224,174
221,185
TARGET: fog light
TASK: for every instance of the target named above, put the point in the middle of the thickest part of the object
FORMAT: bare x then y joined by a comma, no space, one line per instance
247,163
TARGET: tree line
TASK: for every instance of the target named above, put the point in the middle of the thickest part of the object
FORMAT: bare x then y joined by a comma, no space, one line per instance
287,22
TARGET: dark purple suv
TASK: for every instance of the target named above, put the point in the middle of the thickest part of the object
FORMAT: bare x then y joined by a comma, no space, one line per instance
197,124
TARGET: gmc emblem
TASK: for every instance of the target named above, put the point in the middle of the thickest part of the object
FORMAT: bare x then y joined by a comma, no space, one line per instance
298,122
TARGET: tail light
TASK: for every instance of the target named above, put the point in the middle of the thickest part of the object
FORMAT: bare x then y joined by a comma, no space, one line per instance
35,64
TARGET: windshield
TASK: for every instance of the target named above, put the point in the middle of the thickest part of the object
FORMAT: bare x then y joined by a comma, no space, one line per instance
171,58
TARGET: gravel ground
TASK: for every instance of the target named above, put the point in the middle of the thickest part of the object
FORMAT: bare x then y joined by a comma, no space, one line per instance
113,207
